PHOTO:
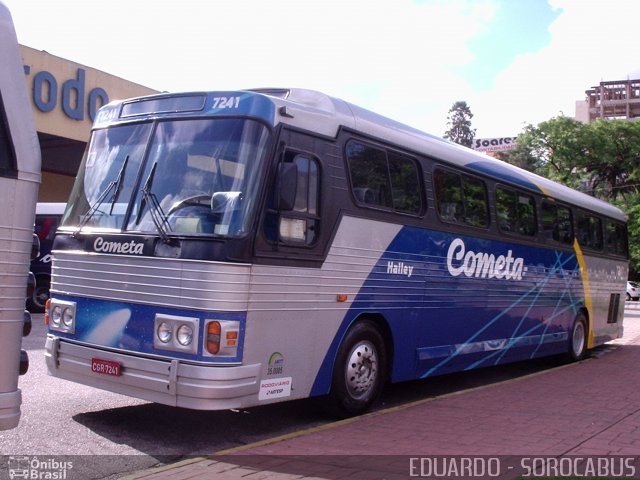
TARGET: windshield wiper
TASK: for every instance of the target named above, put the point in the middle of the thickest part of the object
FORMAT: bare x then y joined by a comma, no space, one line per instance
158,216
119,181
117,184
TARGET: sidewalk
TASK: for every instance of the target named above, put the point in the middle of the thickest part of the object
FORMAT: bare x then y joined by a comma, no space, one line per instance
588,408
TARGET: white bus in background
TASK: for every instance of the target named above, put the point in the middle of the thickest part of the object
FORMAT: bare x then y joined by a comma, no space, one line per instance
19,181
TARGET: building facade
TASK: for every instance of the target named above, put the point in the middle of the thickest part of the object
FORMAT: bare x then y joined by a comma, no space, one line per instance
612,100
65,97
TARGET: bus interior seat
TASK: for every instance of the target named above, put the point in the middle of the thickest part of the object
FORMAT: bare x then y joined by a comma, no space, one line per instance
365,195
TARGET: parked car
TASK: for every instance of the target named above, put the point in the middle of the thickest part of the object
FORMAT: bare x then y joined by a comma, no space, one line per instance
633,291
48,216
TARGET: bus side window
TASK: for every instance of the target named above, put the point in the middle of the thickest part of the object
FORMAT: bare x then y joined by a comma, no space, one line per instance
405,184
556,222
589,231
616,238
449,196
7,153
369,175
384,179
515,212
461,199
300,224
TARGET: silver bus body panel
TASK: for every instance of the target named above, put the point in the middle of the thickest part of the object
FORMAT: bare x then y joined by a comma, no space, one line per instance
170,382
17,215
207,286
293,308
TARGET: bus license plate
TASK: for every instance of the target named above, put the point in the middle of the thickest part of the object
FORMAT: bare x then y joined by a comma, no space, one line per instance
105,367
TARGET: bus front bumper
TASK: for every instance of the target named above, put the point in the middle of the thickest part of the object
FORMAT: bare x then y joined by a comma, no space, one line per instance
169,382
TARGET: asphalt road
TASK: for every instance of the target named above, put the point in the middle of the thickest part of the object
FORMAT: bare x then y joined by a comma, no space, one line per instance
118,434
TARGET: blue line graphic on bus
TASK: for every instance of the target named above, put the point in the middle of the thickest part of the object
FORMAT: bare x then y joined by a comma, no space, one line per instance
468,303
130,326
530,337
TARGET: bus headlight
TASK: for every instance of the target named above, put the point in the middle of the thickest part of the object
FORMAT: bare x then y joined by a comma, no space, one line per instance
62,315
184,335
164,332
67,317
56,315
178,334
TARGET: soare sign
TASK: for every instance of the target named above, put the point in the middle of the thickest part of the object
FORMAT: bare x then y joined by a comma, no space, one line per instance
494,144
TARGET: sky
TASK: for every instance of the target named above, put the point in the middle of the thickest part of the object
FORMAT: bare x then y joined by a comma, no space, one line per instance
515,62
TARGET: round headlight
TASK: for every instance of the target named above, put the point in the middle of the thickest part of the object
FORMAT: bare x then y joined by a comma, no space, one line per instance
185,335
164,332
56,315
67,317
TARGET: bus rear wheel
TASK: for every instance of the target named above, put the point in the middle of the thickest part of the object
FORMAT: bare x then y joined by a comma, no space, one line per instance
359,371
578,338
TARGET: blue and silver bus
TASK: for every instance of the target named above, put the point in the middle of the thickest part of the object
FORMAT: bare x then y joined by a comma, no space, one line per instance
19,182
236,248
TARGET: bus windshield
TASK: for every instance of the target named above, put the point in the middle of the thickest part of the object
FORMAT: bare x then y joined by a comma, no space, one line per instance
182,177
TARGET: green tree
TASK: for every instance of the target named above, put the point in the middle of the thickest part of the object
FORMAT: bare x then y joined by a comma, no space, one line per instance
601,158
632,208
459,124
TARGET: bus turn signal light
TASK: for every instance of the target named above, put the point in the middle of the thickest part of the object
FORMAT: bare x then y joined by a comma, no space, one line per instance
46,311
231,338
213,337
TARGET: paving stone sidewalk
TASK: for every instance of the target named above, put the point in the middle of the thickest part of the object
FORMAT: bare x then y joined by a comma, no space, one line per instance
588,408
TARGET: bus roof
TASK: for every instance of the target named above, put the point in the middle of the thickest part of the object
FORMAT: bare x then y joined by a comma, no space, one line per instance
326,115
373,124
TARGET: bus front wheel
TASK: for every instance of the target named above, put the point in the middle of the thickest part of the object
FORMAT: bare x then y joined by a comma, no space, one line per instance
578,338
359,371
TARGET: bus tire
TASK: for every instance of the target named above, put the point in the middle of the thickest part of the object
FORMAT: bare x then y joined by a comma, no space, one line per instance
578,338
359,371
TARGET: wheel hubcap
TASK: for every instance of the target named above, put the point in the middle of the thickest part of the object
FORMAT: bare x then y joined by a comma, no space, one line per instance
362,369
578,339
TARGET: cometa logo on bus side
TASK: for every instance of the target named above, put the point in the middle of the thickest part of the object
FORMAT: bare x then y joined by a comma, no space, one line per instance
483,265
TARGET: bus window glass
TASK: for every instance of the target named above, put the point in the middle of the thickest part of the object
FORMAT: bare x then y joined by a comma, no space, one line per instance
589,231
461,199
7,155
301,225
616,238
106,177
384,179
405,184
565,224
369,175
475,203
515,212
202,177
449,196
556,222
